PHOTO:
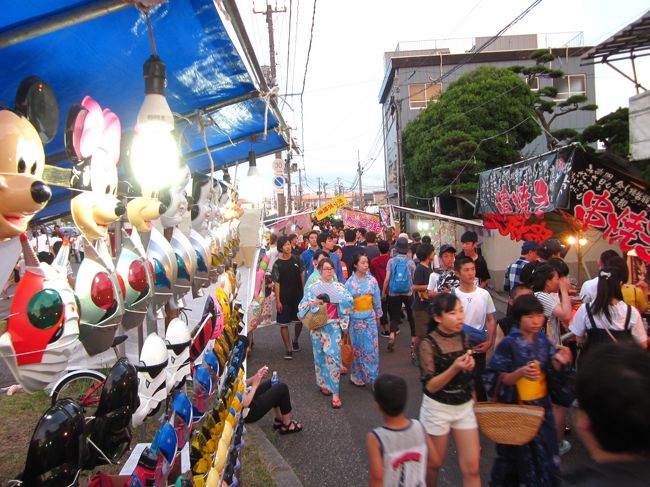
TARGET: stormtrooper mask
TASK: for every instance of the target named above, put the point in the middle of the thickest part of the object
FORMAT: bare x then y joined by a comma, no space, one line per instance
136,274
177,339
152,377
163,261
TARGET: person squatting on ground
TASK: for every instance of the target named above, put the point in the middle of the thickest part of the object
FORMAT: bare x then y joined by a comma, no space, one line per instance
446,366
400,451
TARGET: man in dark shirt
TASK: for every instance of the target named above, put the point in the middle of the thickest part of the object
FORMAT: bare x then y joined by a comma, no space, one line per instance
350,249
613,393
417,240
550,248
469,240
371,248
361,237
421,314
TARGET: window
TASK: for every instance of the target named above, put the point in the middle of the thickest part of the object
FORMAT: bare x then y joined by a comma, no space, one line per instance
569,85
421,93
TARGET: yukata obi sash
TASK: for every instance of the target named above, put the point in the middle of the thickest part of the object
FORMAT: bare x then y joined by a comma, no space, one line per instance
332,312
363,303
531,390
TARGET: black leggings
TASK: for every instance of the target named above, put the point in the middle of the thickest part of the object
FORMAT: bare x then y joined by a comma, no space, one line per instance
395,310
267,397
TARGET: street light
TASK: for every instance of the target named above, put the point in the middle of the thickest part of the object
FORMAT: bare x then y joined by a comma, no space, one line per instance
579,241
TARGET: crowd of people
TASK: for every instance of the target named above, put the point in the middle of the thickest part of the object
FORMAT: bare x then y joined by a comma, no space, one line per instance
370,285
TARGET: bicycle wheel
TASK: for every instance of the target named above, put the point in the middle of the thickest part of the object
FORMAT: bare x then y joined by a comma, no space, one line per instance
83,386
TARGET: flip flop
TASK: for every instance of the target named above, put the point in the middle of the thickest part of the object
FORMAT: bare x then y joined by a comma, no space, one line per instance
292,427
325,392
336,403
277,423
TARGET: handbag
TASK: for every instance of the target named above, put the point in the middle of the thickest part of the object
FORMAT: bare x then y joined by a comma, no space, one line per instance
347,355
476,336
315,319
508,424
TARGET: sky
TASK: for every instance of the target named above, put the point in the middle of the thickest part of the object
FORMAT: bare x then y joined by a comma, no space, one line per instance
340,120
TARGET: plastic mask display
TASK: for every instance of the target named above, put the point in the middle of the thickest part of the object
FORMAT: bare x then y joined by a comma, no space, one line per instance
141,211
203,333
152,378
202,391
111,430
136,273
201,246
101,295
202,209
177,339
212,362
174,198
186,262
43,323
181,417
92,141
23,132
57,448
162,258
165,446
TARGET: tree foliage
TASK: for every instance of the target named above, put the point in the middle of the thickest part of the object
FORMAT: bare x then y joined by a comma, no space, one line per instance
481,121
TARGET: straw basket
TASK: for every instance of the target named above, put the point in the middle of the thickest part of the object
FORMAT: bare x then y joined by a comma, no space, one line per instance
509,424
315,320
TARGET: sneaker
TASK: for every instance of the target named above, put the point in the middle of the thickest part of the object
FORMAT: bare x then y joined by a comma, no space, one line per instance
296,346
288,355
565,447
385,334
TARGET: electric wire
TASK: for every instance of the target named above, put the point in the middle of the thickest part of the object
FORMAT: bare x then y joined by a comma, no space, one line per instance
304,78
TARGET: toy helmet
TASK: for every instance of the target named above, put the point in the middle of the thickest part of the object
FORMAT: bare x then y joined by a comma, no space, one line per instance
152,377
178,341
163,261
202,390
165,446
57,448
201,247
43,323
102,299
212,362
186,260
110,430
137,276
182,417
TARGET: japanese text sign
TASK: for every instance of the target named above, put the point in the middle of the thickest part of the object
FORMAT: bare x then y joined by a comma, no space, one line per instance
360,219
297,224
331,207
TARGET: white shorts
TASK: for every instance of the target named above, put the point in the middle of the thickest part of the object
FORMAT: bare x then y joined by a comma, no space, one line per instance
438,418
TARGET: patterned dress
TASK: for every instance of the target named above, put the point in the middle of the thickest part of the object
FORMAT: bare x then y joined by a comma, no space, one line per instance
363,330
326,341
536,464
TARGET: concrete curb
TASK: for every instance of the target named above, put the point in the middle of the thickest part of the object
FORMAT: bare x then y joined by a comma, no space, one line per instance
282,473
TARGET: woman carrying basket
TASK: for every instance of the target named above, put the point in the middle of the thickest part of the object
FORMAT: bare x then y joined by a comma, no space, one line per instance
531,363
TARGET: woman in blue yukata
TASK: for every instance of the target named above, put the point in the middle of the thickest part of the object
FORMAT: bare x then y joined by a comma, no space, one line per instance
326,341
364,321
530,368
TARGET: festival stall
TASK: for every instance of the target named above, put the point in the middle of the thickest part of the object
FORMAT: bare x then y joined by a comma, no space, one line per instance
136,170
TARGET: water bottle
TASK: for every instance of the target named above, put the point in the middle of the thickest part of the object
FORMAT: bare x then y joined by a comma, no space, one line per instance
274,378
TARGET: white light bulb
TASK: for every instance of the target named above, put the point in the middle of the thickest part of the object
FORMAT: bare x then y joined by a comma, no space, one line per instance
571,240
154,156
582,242
250,189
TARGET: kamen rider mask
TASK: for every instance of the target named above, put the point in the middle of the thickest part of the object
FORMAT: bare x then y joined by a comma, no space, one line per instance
163,261
178,341
201,246
186,261
152,377
92,140
110,430
101,294
23,131
58,447
174,198
43,323
136,273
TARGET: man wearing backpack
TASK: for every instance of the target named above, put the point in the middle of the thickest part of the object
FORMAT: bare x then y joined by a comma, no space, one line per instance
398,285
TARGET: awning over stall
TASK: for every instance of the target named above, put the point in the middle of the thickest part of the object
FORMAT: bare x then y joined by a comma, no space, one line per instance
98,47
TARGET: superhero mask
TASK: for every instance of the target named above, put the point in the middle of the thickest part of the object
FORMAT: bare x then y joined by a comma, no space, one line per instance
165,268
137,275
110,430
202,391
177,339
201,246
181,418
152,377
43,323
165,446
175,199
23,132
101,294
186,261
92,142
202,209
202,334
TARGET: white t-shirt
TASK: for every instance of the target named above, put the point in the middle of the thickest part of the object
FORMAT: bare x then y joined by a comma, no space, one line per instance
618,312
589,289
550,301
477,305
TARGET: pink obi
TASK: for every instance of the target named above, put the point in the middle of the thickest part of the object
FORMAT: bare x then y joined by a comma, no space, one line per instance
332,312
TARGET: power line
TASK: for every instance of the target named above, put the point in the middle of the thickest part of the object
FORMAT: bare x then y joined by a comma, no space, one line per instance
304,78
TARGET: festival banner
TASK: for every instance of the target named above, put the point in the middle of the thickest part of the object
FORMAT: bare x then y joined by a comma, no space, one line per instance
361,219
297,224
331,207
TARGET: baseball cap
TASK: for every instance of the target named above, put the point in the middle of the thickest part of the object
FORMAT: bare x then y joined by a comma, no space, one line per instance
529,246
402,245
447,248
551,246
469,236
415,235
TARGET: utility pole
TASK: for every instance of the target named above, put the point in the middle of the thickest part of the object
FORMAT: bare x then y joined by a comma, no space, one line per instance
273,82
360,183
300,188
287,168
319,193
325,191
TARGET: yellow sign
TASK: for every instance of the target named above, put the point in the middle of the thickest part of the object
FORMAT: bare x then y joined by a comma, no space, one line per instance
331,207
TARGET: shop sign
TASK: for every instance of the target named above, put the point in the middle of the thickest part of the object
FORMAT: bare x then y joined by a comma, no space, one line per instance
331,207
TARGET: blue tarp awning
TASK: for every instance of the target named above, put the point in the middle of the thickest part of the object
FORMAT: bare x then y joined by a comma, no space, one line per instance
103,58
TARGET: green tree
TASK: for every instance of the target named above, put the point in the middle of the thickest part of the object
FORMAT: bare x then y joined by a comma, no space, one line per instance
546,106
481,121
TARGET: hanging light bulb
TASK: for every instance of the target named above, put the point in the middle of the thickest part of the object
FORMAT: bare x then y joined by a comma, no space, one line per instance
251,187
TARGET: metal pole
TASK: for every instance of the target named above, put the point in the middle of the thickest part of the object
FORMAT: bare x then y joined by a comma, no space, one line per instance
360,182
289,199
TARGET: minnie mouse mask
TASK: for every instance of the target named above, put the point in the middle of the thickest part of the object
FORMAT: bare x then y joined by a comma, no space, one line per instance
92,140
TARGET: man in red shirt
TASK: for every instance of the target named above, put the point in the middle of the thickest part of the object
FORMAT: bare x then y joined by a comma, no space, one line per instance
378,271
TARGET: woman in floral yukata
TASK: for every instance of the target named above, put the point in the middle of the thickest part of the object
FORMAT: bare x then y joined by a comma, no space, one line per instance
326,341
364,321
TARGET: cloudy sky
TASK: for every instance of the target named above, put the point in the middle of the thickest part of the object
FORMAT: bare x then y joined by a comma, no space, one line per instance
341,114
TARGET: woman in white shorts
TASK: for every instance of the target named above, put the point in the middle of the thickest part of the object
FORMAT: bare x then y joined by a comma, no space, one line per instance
446,366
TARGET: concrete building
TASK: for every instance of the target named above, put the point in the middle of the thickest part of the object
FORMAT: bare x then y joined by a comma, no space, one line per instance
412,70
